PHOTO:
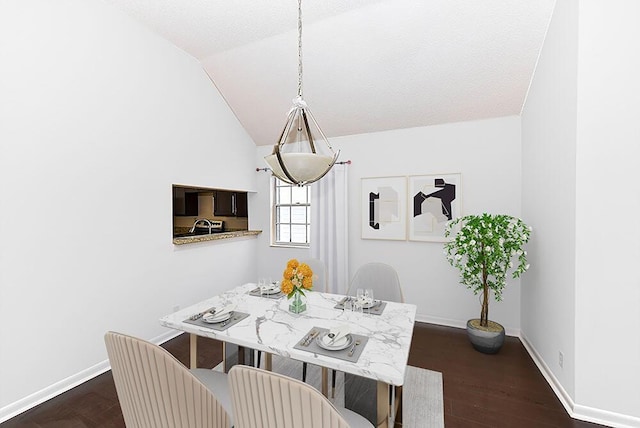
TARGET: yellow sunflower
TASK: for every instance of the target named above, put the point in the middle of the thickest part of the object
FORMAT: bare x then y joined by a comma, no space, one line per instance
307,282
287,286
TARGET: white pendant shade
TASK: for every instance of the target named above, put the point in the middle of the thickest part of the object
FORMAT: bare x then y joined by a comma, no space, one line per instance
303,167
303,153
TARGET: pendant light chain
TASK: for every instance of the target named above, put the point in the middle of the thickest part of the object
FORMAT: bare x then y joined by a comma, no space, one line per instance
299,48
297,158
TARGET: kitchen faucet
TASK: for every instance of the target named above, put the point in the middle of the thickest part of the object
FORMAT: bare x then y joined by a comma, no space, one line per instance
207,221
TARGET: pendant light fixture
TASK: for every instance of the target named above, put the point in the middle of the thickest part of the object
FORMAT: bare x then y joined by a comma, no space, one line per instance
300,157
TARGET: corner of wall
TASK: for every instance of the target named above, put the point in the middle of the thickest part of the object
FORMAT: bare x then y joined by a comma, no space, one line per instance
576,411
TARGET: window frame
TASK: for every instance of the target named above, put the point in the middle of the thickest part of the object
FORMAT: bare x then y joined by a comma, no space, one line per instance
276,184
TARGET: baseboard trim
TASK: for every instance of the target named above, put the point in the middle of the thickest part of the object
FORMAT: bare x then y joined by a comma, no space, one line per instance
552,380
441,321
39,397
605,417
515,332
14,409
577,411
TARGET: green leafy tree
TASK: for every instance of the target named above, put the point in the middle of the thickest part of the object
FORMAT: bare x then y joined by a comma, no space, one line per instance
484,250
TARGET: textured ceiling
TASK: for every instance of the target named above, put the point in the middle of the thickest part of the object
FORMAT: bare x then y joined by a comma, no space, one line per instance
369,65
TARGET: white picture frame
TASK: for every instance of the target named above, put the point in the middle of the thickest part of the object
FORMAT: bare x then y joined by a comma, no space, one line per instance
383,202
432,202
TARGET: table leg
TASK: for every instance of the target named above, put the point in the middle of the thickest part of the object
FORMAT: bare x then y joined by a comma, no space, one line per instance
224,358
397,410
383,405
325,382
193,350
241,355
268,361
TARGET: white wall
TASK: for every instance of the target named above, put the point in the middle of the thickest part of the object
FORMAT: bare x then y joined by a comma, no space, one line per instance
548,197
487,153
608,201
580,188
98,117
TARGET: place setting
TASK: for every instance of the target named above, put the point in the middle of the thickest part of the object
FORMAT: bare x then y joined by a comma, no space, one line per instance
217,318
268,289
337,342
363,302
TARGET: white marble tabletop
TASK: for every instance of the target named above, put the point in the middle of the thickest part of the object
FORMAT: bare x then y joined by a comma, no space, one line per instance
272,328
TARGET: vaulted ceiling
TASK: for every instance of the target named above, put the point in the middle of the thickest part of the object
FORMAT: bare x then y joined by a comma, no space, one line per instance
369,65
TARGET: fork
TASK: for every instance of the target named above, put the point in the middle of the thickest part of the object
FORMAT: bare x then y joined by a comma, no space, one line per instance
310,337
353,348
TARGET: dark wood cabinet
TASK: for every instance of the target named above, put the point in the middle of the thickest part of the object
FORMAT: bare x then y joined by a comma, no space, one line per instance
241,204
185,203
222,203
230,204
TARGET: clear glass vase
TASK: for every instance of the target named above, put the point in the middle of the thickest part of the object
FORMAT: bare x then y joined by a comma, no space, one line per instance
298,304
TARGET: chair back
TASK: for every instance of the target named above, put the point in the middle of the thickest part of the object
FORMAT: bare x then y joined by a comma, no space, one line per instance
263,399
380,277
156,390
319,274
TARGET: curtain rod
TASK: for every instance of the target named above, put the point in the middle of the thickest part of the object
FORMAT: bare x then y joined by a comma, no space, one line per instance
347,162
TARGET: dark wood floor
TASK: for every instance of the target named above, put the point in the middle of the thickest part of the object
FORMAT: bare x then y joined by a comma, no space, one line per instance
502,390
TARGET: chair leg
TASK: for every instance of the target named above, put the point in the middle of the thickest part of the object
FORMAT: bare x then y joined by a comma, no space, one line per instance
258,362
333,378
333,384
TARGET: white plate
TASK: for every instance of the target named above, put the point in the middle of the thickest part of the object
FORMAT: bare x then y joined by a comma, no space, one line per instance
324,342
214,319
271,291
370,305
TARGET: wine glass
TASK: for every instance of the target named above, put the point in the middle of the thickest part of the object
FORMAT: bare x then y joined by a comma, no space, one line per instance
368,296
357,306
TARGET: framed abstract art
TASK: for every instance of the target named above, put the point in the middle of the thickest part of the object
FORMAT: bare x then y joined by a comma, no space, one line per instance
384,201
433,200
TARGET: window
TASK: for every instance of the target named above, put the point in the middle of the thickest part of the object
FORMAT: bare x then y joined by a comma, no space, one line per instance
291,214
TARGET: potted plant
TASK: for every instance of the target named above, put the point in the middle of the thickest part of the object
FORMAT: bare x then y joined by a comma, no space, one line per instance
484,250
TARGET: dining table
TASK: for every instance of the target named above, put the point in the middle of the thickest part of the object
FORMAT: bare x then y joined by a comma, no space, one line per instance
264,322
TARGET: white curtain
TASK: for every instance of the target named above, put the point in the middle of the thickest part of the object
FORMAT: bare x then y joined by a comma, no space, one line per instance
329,221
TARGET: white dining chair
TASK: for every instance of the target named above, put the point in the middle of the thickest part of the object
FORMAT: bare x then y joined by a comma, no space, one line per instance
156,390
263,399
319,274
381,278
